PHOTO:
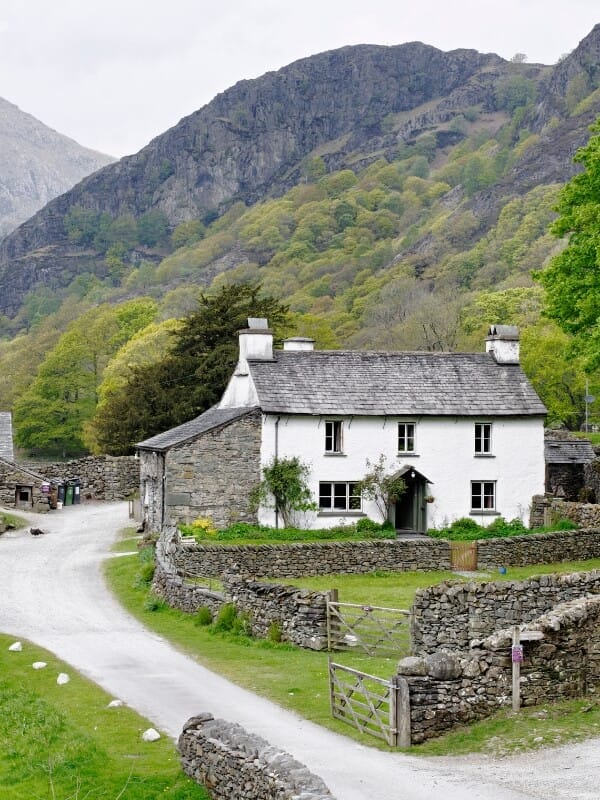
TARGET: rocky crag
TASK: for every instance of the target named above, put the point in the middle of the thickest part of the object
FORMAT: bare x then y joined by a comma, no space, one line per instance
348,106
36,165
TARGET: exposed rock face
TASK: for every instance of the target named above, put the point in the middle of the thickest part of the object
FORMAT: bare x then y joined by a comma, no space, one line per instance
36,165
348,106
251,140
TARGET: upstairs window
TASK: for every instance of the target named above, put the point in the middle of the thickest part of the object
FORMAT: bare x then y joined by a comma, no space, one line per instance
333,436
483,495
406,437
339,496
483,438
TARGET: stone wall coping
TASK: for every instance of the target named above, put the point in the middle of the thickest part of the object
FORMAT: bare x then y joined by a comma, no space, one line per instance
234,744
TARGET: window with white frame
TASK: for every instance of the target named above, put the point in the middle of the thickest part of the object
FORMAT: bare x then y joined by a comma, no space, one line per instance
483,438
339,496
333,436
483,495
406,437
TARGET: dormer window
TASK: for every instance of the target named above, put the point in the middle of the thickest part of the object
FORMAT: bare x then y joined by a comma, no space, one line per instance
333,436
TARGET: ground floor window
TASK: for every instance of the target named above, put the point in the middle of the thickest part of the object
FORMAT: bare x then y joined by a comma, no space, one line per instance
339,496
483,495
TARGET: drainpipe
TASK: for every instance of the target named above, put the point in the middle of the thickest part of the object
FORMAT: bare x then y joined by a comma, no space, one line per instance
276,458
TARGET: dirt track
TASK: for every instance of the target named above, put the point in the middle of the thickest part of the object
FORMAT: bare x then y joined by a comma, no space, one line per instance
53,594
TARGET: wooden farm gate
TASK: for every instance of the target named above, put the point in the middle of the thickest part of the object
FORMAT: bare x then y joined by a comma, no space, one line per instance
372,705
463,556
374,629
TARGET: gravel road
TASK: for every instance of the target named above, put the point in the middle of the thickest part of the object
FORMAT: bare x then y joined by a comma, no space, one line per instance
53,594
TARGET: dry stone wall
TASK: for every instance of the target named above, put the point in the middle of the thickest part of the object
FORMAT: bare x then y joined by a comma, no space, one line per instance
180,594
449,689
543,548
232,763
450,615
102,477
314,558
299,616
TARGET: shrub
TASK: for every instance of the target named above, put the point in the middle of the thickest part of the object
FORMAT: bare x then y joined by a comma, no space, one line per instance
153,603
500,527
274,633
284,488
201,529
229,620
146,569
225,619
204,616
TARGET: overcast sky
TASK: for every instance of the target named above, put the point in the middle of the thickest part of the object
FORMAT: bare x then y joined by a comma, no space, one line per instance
113,74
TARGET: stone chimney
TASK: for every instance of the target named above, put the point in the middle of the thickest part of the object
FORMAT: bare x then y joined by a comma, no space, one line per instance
255,341
503,343
299,343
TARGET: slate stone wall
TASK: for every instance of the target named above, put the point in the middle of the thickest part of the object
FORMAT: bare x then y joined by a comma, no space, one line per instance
187,597
214,475
232,763
451,615
314,558
299,615
542,548
592,479
102,477
565,480
449,689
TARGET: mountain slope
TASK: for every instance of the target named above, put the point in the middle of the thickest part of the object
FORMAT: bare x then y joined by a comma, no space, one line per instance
344,109
36,165
251,141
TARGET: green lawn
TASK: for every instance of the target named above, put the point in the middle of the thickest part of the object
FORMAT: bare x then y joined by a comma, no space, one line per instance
63,743
298,680
397,589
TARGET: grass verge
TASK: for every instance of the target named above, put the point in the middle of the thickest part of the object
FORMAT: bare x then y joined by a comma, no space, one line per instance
63,742
12,520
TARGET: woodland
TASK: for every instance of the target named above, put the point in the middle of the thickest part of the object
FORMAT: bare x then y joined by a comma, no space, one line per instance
390,254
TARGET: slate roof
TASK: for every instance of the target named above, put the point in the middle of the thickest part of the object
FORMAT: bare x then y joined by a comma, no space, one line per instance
568,451
369,383
213,418
6,437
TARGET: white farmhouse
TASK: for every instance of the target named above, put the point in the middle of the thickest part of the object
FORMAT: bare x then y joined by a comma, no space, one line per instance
464,430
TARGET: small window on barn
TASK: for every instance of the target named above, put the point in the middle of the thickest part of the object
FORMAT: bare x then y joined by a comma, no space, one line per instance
333,436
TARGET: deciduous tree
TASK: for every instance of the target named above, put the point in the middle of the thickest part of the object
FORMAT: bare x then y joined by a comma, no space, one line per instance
572,279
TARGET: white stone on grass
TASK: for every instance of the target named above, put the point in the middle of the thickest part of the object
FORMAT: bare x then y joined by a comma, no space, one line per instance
39,664
62,678
151,735
16,647
115,704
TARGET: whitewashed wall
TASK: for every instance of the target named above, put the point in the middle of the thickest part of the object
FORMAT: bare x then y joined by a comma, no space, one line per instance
444,454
